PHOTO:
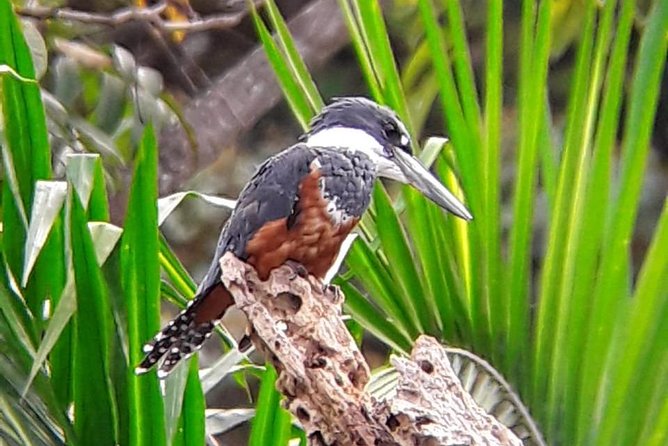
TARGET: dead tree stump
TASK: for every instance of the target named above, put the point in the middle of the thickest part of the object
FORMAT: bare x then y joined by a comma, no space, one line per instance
322,374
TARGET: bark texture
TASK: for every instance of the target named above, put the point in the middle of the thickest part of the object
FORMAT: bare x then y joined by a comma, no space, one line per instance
322,374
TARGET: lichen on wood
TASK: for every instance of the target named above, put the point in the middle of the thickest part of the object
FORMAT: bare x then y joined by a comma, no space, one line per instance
296,321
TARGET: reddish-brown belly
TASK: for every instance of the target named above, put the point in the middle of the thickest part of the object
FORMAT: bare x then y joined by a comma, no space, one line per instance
314,240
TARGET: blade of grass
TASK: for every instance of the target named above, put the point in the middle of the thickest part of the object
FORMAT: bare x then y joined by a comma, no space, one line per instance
175,270
191,424
104,240
141,285
464,142
461,58
49,199
565,239
373,275
86,174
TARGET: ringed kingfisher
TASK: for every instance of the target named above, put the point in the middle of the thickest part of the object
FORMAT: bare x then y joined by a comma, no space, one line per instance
298,207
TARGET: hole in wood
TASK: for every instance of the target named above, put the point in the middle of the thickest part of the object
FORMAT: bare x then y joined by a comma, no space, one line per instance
427,366
303,415
291,303
392,423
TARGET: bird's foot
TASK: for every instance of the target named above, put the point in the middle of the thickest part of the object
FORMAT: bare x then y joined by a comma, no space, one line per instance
334,291
298,269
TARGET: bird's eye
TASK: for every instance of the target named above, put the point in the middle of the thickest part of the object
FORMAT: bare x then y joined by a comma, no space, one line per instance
392,132
395,136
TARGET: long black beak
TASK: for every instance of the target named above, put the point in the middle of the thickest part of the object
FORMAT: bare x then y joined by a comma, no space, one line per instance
418,176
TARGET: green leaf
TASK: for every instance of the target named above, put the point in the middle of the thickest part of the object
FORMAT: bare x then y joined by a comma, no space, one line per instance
400,264
93,391
27,157
533,67
640,343
167,205
141,286
49,198
650,62
175,270
192,422
294,94
271,424
372,319
292,57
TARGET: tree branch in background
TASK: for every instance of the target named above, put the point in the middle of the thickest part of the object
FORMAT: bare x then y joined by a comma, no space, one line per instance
323,375
150,15
238,99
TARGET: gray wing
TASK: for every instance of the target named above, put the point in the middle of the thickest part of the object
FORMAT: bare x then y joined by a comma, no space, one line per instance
270,195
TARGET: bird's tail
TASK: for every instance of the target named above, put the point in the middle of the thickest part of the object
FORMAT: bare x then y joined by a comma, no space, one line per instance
185,334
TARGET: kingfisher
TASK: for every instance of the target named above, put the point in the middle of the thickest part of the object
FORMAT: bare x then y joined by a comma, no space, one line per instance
298,208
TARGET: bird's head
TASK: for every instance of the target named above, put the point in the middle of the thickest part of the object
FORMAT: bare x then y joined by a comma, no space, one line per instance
356,123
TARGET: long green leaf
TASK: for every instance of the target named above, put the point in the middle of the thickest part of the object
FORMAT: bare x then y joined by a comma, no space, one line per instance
271,425
400,264
292,57
141,286
564,233
27,147
531,99
94,401
293,92
643,98
491,159
640,343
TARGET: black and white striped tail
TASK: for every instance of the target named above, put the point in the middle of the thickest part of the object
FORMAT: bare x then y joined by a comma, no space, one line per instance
177,341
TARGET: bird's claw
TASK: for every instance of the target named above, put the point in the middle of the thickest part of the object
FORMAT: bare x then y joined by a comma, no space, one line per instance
298,269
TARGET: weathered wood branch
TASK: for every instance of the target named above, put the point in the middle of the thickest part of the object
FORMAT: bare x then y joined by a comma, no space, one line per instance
322,374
